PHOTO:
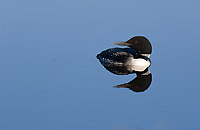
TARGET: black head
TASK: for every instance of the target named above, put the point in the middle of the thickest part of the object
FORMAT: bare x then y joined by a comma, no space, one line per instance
138,43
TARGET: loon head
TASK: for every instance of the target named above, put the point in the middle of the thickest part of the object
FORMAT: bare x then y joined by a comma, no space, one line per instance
138,43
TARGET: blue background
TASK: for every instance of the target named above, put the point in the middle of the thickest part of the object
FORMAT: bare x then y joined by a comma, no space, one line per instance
50,77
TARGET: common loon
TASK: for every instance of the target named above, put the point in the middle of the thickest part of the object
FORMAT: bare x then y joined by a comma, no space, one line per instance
135,58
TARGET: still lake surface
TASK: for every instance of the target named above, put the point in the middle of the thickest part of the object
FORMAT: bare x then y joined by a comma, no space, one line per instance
50,77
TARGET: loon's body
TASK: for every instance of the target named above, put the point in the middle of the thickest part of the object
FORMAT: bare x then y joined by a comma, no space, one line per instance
134,59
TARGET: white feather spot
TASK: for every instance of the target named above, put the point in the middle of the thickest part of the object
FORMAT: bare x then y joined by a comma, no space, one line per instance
138,64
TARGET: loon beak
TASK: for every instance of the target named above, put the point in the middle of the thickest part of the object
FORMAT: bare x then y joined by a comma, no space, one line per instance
122,43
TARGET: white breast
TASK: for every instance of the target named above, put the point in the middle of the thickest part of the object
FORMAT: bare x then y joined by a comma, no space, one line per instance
137,64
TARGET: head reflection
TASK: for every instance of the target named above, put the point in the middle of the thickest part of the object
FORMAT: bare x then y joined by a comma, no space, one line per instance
138,84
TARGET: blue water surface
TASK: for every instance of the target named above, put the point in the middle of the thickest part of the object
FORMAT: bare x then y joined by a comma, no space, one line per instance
50,77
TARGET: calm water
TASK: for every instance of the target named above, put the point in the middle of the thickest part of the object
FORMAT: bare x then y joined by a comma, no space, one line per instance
50,77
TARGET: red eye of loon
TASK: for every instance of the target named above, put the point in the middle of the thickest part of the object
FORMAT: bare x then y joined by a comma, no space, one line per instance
135,41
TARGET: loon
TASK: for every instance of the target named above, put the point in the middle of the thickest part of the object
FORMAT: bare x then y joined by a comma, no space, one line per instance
135,58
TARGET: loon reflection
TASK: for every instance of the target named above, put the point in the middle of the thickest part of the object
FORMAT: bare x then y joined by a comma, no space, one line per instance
135,59
138,84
